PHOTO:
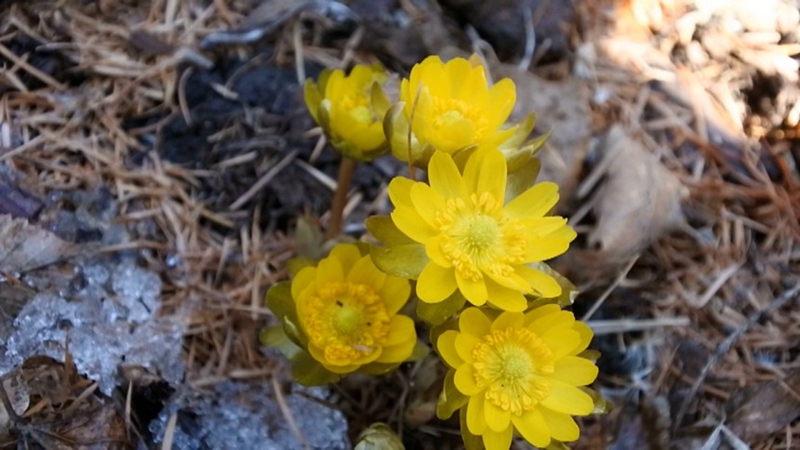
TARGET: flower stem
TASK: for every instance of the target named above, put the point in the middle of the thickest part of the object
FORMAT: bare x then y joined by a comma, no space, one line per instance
346,168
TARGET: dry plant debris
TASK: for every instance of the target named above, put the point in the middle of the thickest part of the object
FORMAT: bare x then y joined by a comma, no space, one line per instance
131,100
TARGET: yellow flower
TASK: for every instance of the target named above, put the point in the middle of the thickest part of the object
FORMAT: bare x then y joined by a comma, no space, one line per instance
350,109
476,242
450,107
520,372
343,312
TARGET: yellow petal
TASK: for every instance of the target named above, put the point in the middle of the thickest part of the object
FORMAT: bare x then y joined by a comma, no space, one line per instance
433,248
575,371
541,249
561,341
501,98
427,202
347,254
401,330
497,419
475,89
473,321
511,281
446,345
492,174
400,191
533,427
544,285
508,320
444,177
302,280
454,136
465,343
474,290
538,313
329,271
541,227
498,441
396,353
411,224
432,71
561,320
476,423
465,380
505,298
312,98
535,202
586,334
395,292
456,68
334,85
568,399
436,283
562,427
365,272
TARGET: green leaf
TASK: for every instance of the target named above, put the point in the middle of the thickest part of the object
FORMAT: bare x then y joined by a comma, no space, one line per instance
308,239
537,143
380,101
601,405
404,261
437,313
450,399
280,301
309,372
295,265
471,441
420,352
384,230
437,330
293,332
568,290
276,338
522,179
591,355
377,368
379,437
556,445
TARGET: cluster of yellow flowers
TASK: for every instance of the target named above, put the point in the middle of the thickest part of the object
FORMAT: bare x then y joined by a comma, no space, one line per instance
473,238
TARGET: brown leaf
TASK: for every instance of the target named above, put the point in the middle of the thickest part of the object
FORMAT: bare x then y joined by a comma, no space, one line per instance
762,410
639,201
18,397
24,246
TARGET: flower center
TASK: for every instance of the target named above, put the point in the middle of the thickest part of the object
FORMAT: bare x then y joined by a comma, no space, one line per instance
347,321
362,114
478,239
512,366
448,111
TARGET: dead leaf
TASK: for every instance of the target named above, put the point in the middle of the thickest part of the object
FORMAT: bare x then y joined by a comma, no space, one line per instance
639,201
24,246
762,410
97,428
18,396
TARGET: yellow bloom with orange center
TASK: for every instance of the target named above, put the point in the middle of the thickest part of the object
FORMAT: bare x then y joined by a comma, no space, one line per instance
449,107
350,109
474,240
348,309
520,371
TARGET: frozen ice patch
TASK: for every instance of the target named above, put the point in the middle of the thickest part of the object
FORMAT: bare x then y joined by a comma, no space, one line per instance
245,415
109,317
